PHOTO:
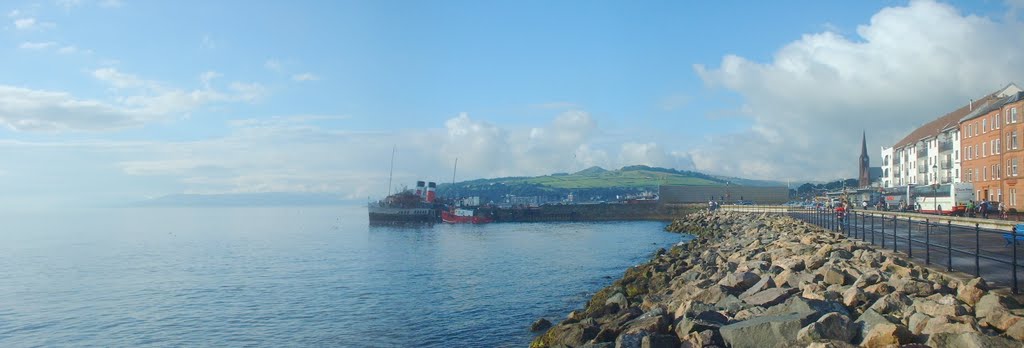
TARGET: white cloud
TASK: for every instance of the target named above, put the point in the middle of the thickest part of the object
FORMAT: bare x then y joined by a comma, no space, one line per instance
652,154
272,64
32,110
207,42
809,104
69,50
249,91
14,13
121,80
208,76
138,101
305,77
37,45
31,23
68,4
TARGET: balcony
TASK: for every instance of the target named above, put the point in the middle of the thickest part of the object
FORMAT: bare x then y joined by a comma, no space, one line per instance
922,170
945,146
922,153
896,175
946,164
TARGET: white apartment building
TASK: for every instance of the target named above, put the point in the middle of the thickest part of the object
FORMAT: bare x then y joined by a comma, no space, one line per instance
931,153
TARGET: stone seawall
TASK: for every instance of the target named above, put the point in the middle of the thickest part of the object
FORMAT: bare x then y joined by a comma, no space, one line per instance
591,212
751,280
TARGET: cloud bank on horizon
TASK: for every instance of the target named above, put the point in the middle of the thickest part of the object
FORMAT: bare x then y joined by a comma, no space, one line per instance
102,127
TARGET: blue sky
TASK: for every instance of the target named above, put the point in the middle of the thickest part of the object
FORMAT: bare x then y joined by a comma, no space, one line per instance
112,101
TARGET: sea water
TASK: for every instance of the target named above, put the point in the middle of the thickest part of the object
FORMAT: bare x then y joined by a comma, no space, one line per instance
297,276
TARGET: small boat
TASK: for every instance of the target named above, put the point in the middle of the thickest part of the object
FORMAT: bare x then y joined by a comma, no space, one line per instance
463,216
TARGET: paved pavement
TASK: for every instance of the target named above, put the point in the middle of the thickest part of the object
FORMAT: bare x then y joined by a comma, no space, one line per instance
931,243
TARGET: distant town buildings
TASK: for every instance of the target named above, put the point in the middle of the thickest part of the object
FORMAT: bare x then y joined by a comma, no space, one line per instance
976,143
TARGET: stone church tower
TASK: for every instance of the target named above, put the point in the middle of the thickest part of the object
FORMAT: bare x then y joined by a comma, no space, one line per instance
864,163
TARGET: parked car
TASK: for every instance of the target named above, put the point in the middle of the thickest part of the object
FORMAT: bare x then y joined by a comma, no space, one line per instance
744,203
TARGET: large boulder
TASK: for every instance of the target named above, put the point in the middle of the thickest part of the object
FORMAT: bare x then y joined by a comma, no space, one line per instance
936,309
766,331
912,286
949,325
709,320
969,340
659,341
971,292
766,282
572,335
895,303
769,297
885,335
831,326
868,320
540,325
739,281
618,299
697,339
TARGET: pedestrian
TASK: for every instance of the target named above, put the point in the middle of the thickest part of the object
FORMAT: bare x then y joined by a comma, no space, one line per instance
984,209
970,208
1002,211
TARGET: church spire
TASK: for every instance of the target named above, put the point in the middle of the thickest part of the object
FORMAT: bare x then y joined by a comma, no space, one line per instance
864,179
864,144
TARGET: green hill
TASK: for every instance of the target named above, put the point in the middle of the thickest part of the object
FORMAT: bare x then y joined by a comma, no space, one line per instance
594,183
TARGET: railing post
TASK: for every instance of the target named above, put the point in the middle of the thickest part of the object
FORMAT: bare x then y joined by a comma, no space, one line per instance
883,231
927,242
895,245
949,246
977,250
872,229
910,243
1015,264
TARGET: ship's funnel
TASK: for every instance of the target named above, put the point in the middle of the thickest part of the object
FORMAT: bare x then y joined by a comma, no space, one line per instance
420,191
431,187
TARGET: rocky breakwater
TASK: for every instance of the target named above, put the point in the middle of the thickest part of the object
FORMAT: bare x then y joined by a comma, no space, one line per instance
770,281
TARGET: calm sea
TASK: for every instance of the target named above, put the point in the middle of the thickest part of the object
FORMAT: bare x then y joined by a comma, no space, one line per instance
296,276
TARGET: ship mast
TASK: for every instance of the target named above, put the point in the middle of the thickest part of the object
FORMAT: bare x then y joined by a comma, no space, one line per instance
391,173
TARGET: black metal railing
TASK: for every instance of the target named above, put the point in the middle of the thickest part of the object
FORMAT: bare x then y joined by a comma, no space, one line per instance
965,247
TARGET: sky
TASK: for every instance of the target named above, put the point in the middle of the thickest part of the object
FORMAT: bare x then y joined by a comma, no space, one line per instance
107,101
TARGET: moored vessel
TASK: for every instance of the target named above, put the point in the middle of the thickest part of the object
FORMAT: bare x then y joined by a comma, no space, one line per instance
464,216
407,207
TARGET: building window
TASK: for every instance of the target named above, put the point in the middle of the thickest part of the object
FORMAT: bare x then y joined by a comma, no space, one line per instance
970,175
1013,197
1013,114
984,149
995,145
983,125
1013,140
984,174
957,173
1013,167
996,122
997,169
975,150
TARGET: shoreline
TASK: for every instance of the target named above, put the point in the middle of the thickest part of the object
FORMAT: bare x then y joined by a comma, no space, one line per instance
750,280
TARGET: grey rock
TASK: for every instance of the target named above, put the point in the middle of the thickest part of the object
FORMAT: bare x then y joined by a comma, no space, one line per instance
831,326
540,325
866,321
740,281
969,340
619,299
895,302
767,331
766,282
769,297
659,341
